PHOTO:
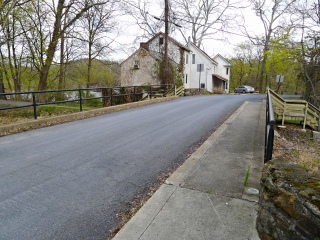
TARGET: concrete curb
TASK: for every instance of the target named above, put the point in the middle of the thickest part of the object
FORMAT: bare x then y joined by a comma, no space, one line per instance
183,171
38,123
251,191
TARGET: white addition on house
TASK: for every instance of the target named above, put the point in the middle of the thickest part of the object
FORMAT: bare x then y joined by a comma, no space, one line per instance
202,71
198,70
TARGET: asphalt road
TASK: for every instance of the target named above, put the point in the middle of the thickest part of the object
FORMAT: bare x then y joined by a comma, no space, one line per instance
68,181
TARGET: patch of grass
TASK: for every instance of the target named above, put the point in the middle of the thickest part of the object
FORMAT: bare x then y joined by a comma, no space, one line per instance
247,177
10,116
305,165
52,110
314,163
294,152
296,122
95,103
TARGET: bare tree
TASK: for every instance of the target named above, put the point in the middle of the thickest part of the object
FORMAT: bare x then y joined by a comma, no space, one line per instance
8,37
96,24
204,18
140,12
10,4
74,10
271,13
310,43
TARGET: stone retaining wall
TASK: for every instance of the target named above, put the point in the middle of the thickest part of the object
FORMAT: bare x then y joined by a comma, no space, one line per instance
194,91
289,202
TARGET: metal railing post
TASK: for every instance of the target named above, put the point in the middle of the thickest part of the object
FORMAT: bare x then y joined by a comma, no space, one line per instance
150,92
34,105
111,97
80,99
269,144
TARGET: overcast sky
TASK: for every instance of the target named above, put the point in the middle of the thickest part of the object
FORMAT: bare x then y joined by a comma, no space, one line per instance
222,43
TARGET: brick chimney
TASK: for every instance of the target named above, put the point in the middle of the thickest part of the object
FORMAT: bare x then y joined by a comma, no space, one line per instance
144,45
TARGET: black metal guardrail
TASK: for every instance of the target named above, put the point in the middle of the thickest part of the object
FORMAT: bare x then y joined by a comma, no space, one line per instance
269,130
110,96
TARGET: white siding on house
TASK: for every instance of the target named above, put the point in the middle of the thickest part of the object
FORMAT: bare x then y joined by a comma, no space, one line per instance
223,69
196,78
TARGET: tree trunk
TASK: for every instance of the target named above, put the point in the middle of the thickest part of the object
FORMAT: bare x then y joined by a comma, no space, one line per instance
2,87
89,65
4,70
60,95
44,72
62,64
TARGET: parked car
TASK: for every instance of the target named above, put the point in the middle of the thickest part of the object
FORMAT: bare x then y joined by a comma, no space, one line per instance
244,89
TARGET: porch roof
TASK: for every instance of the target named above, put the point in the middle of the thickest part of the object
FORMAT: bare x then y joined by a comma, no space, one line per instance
220,77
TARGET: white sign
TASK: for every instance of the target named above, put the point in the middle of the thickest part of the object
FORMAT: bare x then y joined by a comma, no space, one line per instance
200,67
279,78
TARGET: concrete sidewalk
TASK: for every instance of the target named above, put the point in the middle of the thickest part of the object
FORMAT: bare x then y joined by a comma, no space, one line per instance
206,197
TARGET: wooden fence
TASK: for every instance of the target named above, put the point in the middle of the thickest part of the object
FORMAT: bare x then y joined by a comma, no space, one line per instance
295,110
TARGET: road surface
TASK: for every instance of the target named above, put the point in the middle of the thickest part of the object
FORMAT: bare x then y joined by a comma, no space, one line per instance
68,181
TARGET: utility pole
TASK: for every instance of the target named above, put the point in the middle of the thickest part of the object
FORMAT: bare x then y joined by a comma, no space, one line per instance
166,34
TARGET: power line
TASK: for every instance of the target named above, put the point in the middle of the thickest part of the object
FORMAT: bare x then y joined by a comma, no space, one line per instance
205,25
190,22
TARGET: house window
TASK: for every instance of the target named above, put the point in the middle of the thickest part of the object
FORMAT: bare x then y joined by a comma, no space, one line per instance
160,40
136,64
203,85
227,71
186,78
193,58
187,58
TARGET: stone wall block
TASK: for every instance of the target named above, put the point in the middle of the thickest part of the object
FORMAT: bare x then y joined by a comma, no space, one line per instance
309,228
286,201
289,202
313,210
269,185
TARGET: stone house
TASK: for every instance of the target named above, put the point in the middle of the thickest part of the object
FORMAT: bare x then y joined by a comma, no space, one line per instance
140,68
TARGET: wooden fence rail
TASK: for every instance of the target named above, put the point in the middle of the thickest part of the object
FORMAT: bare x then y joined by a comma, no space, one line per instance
299,110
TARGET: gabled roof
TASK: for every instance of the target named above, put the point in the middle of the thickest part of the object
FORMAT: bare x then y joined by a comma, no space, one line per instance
228,64
156,56
204,53
135,52
170,39
220,77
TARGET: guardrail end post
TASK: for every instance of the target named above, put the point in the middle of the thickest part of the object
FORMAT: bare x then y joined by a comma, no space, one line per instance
80,100
34,105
